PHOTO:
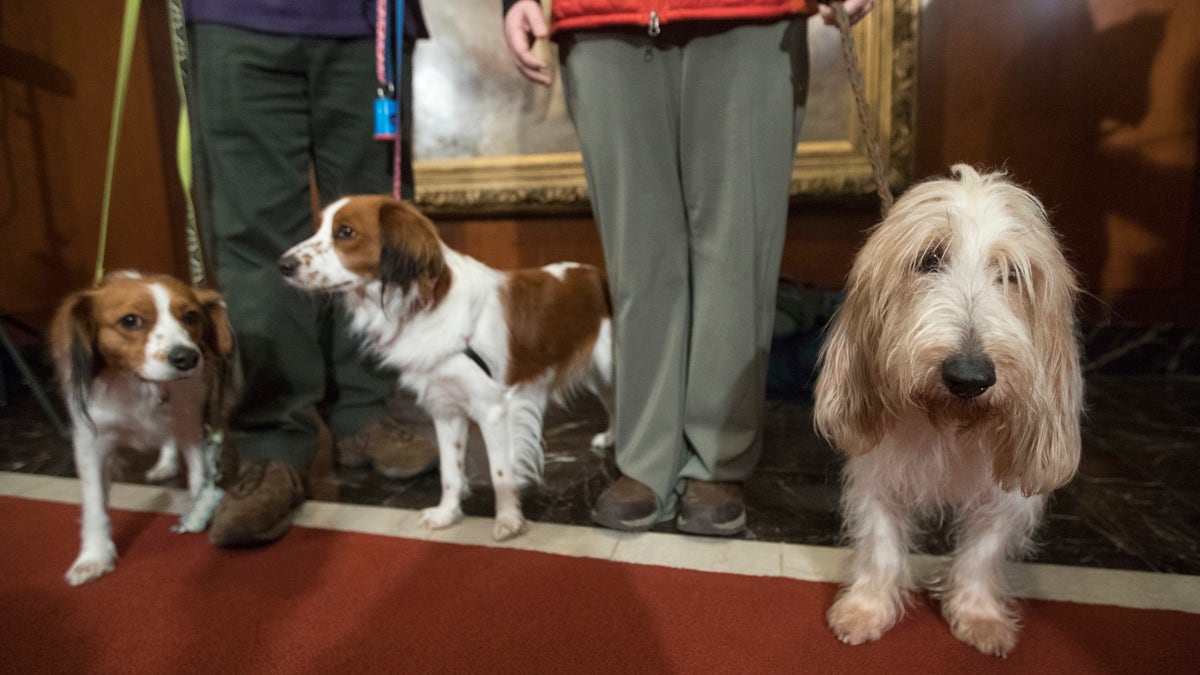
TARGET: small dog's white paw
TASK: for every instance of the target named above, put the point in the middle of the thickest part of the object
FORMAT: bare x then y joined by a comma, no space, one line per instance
989,634
508,525
161,472
602,441
90,566
858,617
438,517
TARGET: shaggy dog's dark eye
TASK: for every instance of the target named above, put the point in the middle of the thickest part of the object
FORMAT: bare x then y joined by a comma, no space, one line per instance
132,322
344,232
191,318
931,262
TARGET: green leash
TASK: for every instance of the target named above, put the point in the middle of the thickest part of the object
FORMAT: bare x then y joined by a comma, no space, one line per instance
200,513
129,23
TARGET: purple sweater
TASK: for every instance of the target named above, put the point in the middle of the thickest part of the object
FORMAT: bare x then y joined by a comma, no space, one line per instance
326,18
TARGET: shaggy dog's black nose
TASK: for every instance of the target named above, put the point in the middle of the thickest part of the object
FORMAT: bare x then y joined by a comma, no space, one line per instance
183,358
968,375
288,265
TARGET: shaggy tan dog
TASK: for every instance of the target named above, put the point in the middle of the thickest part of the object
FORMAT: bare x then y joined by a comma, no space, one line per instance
951,379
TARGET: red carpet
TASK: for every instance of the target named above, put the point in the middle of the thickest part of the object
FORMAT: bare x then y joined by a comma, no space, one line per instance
337,602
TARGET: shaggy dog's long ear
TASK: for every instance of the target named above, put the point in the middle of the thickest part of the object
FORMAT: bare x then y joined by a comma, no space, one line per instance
410,251
1046,441
848,411
223,378
73,349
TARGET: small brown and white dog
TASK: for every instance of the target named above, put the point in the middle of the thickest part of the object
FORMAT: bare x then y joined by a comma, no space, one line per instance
144,362
951,379
472,342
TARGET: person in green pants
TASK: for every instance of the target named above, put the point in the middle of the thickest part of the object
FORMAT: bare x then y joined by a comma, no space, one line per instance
282,94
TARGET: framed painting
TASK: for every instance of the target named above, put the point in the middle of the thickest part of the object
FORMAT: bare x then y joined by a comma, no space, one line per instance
487,142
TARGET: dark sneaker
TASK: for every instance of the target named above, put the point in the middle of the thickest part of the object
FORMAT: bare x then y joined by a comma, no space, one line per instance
258,507
394,449
626,505
712,508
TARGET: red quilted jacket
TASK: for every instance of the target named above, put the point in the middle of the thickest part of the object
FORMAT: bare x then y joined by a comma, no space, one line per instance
572,14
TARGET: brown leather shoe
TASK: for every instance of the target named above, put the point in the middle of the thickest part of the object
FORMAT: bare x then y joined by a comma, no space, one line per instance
258,507
712,508
626,505
394,449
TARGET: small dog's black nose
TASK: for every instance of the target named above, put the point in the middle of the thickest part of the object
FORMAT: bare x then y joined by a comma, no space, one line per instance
968,375
183,358
288,265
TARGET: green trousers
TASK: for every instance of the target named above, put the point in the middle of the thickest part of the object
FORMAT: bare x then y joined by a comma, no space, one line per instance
688,142
266,110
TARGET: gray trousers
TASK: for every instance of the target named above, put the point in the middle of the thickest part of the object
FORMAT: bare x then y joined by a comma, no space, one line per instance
266,108
688,143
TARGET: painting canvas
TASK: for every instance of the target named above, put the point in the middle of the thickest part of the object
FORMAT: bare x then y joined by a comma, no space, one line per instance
488,141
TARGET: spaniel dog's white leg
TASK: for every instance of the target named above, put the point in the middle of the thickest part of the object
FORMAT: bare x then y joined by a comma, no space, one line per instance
601,385
188,432
451,428
494,425
974,597
97,553
604,440
167,465
874,598
197,470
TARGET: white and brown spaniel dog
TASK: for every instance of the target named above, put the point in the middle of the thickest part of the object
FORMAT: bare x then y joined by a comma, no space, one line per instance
472,342
144,362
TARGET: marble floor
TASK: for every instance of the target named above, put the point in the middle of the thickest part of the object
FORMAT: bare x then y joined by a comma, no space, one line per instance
1135,504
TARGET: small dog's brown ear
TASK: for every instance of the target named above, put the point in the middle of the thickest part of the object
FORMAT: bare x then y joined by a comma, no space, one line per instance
73,348
848,409
410,251
222,380
221,336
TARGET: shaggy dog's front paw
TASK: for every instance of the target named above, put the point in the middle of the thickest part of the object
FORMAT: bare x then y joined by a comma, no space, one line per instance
860,617
989,634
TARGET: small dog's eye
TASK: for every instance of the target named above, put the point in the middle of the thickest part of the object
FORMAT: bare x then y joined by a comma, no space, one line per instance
931,262
191,317
132,322
344,232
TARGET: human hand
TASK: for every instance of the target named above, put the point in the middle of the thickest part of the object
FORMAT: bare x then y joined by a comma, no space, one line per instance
855,9
523,24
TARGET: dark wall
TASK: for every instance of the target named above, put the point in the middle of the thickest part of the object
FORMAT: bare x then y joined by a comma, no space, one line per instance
1094,104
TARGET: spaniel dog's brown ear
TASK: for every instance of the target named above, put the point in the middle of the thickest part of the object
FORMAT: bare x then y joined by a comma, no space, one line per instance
410,251
219,335
73,348
223,377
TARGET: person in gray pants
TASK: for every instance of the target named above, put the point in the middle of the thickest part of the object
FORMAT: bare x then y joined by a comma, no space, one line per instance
688,125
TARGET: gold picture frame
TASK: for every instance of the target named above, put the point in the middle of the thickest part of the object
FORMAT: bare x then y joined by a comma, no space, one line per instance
487,143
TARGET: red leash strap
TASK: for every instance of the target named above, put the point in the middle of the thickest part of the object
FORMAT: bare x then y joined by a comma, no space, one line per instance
387,113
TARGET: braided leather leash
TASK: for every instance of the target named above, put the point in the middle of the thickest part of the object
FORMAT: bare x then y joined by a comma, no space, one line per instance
870,134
